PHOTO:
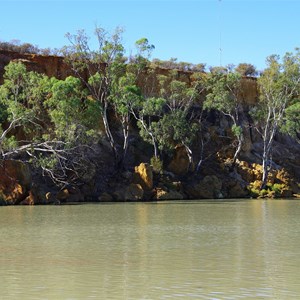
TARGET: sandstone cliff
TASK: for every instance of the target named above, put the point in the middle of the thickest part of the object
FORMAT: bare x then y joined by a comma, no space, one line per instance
216,179
54,66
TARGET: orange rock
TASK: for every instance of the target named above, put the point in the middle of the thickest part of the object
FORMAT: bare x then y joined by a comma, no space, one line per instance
62,195
29,200
144,176
180,163
15,181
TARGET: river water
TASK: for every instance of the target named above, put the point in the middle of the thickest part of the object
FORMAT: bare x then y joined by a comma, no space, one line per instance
244,249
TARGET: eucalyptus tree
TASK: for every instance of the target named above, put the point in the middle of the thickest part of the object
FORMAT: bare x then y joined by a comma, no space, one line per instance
24,119
97,68
21,97
46,122
124,96
291,121
73,115
279,86
224,95
178,94
176,125
144,51
176,128
147,112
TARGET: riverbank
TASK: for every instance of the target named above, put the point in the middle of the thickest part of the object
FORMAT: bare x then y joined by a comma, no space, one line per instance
75,153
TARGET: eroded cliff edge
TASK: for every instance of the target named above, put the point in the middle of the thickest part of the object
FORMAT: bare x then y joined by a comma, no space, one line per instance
19,184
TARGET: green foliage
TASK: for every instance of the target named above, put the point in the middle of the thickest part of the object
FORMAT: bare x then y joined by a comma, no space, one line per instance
277,188
9,143
153,106
157,165
180,66
144,47
237,130
21,98
246,69
17,46
177,93
125,94
3,107
280,82
174,128
279,85
270,190
223,90
72,113
291,120
46,161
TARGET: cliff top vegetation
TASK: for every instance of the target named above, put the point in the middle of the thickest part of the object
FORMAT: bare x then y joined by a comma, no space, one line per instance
117,103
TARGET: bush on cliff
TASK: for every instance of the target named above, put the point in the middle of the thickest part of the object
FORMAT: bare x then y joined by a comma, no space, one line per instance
47,122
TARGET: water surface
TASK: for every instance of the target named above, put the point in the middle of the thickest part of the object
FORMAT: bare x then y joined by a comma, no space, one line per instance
187,250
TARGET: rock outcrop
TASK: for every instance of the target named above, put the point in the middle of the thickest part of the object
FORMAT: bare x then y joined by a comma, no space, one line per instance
55,66
216,179
15,181
180,163
144,176
208,188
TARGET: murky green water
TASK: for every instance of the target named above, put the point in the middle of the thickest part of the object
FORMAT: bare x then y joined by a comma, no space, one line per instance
186,250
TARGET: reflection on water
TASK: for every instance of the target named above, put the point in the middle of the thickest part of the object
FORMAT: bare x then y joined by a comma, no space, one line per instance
188,250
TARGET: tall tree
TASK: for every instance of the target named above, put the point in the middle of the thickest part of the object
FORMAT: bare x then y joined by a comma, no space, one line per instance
46,122
148,111
291,122
124,97
21,98
223,94
278,85
97,67
176,125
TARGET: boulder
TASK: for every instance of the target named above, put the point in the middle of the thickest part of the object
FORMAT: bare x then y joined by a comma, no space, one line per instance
162,194
79,197
237,191
15,181
144,176
63,195
41,195
70,195
105,197
133,192
208,188
180,164
29,200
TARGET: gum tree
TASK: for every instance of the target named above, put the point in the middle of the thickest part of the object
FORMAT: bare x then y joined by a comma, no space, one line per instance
46,122
124,96
279,85
21,98
148,111
223,94
176,126
97,67
291,122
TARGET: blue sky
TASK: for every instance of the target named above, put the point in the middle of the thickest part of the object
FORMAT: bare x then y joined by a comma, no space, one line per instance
188,30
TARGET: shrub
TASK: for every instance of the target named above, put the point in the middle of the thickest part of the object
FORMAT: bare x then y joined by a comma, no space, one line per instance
156,164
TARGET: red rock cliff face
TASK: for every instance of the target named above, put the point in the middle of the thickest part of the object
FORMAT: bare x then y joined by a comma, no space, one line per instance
54,66
249,91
